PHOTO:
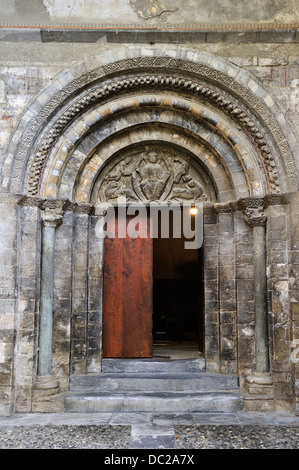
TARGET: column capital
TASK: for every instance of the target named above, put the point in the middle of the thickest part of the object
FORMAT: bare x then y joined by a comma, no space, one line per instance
52,211
253,210
254,216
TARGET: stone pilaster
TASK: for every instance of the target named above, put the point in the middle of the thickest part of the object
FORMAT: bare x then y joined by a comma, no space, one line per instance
245,295
80,283
211,310
95,295
227,289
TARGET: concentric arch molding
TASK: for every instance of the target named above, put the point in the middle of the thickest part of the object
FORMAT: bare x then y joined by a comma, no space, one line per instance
250,105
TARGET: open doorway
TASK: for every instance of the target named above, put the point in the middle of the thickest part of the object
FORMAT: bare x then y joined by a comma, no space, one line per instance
177,297
152,294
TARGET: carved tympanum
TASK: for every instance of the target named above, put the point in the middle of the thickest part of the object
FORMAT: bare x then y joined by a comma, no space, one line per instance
151,176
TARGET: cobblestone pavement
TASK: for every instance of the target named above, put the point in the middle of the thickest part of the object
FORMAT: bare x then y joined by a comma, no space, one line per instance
237,437
65,437
150,431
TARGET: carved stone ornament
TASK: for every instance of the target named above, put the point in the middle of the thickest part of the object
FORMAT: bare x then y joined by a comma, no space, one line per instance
114,86
255,216
151,176
52,212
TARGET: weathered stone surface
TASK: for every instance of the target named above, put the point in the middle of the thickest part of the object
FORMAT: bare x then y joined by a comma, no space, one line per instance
157,12
234,109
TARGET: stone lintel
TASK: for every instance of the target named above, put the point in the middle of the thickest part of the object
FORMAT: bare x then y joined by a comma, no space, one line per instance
141,33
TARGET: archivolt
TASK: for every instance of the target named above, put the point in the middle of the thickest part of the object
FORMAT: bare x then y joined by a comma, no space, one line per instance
94,138
197,77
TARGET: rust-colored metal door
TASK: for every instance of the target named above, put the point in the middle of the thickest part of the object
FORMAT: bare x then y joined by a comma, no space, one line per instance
128,295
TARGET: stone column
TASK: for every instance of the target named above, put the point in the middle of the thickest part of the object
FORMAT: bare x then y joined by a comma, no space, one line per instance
260,383
52,213
257,220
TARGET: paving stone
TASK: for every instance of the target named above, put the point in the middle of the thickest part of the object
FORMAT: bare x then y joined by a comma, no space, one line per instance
248,430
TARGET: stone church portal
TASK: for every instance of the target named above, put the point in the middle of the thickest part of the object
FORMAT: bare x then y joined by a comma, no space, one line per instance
85,321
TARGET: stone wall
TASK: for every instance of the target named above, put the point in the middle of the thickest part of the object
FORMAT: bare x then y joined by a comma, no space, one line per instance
154,12
30,61
230,336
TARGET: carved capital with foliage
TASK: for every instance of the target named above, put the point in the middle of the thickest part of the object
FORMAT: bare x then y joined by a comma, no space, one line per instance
53,211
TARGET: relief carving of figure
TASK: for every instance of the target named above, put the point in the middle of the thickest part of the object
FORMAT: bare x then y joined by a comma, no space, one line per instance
192,189
116,186
153,177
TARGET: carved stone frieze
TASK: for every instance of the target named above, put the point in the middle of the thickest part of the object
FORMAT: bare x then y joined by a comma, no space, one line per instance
30,201
151,175
252,207
83,209
275,199
222,208
251,202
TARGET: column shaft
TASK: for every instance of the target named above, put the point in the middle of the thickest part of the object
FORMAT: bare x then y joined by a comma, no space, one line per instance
52,213
260,299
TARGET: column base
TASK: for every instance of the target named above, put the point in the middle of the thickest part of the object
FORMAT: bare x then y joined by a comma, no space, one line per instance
46,396
259,395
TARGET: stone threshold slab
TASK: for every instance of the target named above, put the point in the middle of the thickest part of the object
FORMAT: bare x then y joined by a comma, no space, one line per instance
273,418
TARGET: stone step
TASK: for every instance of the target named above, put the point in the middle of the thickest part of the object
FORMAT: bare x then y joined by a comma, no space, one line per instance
154,382
102,402
137,366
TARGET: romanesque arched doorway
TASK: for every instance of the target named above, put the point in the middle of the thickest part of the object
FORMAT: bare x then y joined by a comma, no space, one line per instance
82,148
